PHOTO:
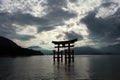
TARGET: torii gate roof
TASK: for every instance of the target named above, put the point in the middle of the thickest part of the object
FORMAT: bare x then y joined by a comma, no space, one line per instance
65,42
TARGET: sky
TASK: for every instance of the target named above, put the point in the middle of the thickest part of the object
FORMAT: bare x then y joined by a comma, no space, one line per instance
36,23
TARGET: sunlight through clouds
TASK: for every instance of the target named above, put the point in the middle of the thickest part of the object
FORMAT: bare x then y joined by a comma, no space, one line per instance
39,22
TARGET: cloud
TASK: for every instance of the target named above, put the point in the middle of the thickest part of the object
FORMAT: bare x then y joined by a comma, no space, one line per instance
72,35
103,28
31,20
58,16
69,35
107,9
108,4
73,0
55,12
21,19
25,13
7,20
45,28
33,7
56,4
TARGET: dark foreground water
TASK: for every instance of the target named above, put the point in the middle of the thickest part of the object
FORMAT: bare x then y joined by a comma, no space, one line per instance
93,67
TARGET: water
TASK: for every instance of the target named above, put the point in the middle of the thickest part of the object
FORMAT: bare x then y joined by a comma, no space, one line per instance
87,67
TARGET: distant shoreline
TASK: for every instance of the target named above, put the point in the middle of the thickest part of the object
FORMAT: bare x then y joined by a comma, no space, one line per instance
18,55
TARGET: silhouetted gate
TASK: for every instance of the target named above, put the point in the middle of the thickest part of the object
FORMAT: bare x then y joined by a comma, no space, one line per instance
69,54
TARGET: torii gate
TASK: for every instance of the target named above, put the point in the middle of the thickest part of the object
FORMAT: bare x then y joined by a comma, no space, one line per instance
69,54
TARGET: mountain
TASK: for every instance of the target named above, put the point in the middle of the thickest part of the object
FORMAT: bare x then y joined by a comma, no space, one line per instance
111,49
35,47
9,48
87,51
45,51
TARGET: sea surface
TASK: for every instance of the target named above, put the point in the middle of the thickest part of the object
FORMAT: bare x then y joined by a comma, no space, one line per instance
85,67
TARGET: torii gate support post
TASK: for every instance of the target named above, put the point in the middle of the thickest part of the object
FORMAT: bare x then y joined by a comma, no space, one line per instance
69,53
72,55
65,55
58,53
54,53
61,56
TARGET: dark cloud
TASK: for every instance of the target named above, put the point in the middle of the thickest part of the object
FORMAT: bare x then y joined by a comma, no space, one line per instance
59,16
7,20
103,28
56,15
55,4
46,23
22,19
109,4
45,28
6,29
73,0
70,35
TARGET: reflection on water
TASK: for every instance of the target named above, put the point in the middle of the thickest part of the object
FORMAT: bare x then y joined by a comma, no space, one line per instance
42,68
73,71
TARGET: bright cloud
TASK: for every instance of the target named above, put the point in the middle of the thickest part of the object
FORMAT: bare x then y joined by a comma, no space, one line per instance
27,30
107,10
34,7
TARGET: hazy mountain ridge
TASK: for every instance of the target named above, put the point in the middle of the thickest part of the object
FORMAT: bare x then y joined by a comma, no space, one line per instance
85,50
111,49
78,50
9,48
107,50
45,51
